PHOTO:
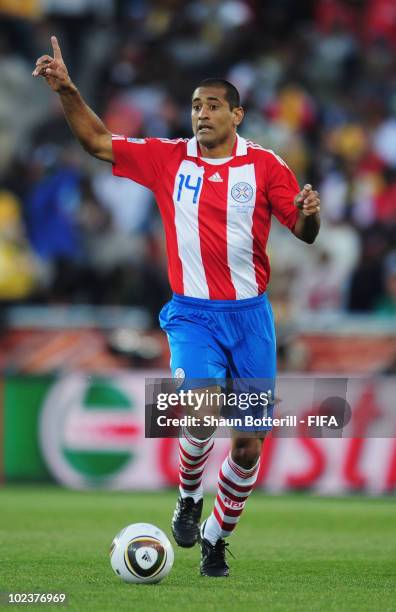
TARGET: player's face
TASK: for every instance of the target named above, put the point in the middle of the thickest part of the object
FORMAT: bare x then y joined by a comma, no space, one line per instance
213,122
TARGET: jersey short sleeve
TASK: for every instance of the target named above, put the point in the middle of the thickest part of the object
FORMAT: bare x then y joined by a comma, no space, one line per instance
282,188
139,159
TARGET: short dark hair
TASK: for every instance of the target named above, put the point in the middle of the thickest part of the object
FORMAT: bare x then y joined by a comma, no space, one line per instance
231,93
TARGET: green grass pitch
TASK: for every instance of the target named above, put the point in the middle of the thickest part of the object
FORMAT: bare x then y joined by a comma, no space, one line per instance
292,553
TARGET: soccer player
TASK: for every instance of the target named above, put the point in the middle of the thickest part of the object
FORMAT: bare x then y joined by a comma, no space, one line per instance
216,193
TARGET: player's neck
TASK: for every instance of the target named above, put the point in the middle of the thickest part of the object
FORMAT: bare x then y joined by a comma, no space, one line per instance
225,149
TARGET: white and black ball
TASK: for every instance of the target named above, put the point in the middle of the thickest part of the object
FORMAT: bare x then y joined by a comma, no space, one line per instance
141,553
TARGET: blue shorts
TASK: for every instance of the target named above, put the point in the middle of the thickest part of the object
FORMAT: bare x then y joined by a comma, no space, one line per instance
216,339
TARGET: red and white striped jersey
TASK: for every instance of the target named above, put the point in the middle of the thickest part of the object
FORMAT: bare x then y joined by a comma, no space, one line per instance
216,217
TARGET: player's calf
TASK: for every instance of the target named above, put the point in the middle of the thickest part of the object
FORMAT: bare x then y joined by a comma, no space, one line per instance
235,484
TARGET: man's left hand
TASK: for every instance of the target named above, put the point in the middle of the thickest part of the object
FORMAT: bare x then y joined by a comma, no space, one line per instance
308,201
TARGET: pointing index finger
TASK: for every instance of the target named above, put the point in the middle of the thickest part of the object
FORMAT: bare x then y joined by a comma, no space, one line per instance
56,48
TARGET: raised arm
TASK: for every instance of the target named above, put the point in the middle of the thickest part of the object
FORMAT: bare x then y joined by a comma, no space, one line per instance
85,125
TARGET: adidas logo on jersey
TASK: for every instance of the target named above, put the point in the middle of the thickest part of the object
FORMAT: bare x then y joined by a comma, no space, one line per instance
216,178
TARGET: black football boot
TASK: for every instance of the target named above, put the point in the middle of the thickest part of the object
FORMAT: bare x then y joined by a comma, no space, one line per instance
213,561
185,521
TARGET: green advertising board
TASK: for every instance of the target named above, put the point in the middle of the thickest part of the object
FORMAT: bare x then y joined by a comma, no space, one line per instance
23,397
76,428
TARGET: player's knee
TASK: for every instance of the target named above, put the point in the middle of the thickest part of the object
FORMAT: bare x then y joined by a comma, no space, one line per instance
246,452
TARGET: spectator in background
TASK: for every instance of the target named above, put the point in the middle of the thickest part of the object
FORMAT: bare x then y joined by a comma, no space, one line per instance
386,304
16,24
16,115
74,18
380,23
366,284
115,228
51,206
385,201
18,269
129,204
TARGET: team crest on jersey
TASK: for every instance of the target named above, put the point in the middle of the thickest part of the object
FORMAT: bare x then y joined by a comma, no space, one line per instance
242,192
136,140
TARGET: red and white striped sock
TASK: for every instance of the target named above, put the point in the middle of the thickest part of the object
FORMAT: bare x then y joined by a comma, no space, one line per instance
234,487
193,455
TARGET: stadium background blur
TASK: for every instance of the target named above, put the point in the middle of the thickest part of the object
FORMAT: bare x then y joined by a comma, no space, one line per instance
82,257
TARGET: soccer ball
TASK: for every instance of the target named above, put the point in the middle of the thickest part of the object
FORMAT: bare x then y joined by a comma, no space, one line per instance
141,553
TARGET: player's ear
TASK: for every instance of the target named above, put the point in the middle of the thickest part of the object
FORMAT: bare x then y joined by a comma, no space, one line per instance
239,113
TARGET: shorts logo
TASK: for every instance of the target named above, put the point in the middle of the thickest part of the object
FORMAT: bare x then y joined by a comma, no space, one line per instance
179,375
136,140
242,192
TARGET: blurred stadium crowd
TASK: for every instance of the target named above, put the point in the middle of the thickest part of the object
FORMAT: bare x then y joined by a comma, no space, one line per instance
318,82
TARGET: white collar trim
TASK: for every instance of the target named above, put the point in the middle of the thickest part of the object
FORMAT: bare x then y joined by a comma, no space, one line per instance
192,148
